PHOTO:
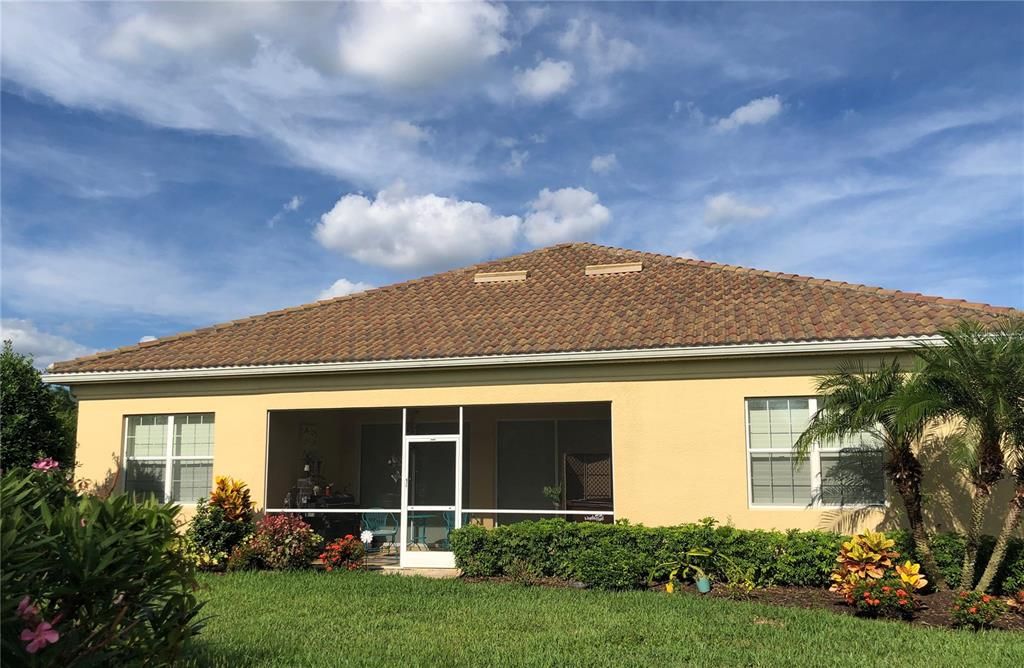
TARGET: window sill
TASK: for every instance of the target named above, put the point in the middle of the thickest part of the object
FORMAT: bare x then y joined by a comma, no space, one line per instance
849,506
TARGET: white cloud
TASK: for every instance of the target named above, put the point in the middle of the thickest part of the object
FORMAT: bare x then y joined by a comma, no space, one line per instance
169,31
532,17
421,44
291,205
402,231
568,214
147,338
548,79
724,208
998,157
45,348
602,164
270,72
342,287
410,131
89,279
603,55
516,161
755,112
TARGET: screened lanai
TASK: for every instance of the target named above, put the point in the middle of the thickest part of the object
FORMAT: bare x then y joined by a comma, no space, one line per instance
410,475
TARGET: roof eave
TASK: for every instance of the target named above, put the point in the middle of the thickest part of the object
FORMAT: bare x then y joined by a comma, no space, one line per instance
485,361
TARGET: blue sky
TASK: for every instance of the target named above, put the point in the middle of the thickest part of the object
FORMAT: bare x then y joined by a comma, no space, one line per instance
168,166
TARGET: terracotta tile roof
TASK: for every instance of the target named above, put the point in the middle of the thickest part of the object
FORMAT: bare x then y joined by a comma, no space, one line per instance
671,302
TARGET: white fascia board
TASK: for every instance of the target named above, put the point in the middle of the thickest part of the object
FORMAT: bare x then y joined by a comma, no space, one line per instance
592,357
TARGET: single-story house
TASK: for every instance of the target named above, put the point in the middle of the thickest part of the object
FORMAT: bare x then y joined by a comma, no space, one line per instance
575,381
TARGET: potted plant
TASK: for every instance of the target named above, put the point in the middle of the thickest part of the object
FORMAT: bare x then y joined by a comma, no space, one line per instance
685,567
554,494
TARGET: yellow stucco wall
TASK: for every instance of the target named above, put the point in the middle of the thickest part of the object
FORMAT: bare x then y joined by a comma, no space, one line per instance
677,428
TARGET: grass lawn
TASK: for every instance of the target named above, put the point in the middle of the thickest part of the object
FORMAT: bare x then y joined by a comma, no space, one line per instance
334,619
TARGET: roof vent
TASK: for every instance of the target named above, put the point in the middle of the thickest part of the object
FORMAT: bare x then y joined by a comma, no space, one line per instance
618,268
499,276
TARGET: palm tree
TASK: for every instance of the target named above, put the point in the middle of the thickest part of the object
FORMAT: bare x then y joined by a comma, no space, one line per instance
974,379
857,401
1015,457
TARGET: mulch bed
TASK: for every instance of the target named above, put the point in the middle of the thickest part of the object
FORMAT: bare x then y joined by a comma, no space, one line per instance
934,609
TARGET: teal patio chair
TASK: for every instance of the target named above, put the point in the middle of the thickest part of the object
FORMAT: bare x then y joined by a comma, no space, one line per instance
381,524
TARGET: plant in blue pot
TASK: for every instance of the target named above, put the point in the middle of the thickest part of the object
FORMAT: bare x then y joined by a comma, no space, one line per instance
685,568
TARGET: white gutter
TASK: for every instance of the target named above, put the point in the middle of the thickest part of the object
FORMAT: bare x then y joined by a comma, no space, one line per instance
483,361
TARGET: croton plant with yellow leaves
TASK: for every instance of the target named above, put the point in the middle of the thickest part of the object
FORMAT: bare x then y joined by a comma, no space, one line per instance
233,497
870,556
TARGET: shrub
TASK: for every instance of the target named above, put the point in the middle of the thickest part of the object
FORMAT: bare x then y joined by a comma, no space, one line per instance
243,558
1016,602
90,581
284,542
623,555
232,496
346,552
211,536
977,610
36,420
884,597
219,525
866,556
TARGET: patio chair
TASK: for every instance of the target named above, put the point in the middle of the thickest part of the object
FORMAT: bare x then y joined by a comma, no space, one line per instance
381,524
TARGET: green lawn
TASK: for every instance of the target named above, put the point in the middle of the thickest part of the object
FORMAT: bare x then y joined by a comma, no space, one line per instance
334,619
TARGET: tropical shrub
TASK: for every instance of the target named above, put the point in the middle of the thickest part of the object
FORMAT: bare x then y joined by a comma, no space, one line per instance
36,420
232,496
866,556
219,525
282,542
884,597
90,581
243,558
977,610
624,555
346,553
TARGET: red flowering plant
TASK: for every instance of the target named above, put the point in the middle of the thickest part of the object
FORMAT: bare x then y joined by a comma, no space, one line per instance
977,610
347,553
282,542
885,597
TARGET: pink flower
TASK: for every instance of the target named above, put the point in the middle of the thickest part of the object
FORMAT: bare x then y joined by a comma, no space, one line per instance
26,610
48,464
44,634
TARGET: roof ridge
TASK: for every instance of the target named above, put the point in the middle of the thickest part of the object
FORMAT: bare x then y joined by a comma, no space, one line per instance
801,278
305,307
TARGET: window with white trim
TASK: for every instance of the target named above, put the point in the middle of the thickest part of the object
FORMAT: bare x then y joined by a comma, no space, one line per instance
169,456
845,472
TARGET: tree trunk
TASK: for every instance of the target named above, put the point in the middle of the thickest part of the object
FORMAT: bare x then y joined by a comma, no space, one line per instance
906,473
1009,527
922,543
979,500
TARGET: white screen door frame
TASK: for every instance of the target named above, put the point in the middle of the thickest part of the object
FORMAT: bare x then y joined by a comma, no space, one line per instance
410,558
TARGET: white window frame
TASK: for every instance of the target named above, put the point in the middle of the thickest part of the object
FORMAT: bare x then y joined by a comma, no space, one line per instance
168,457
813,462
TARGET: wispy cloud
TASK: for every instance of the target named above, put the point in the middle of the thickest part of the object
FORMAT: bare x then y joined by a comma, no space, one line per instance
725,208
45,348
292,204
755,112
602,164
548,79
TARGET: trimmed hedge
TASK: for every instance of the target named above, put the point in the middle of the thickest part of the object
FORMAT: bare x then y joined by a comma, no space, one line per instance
623,556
